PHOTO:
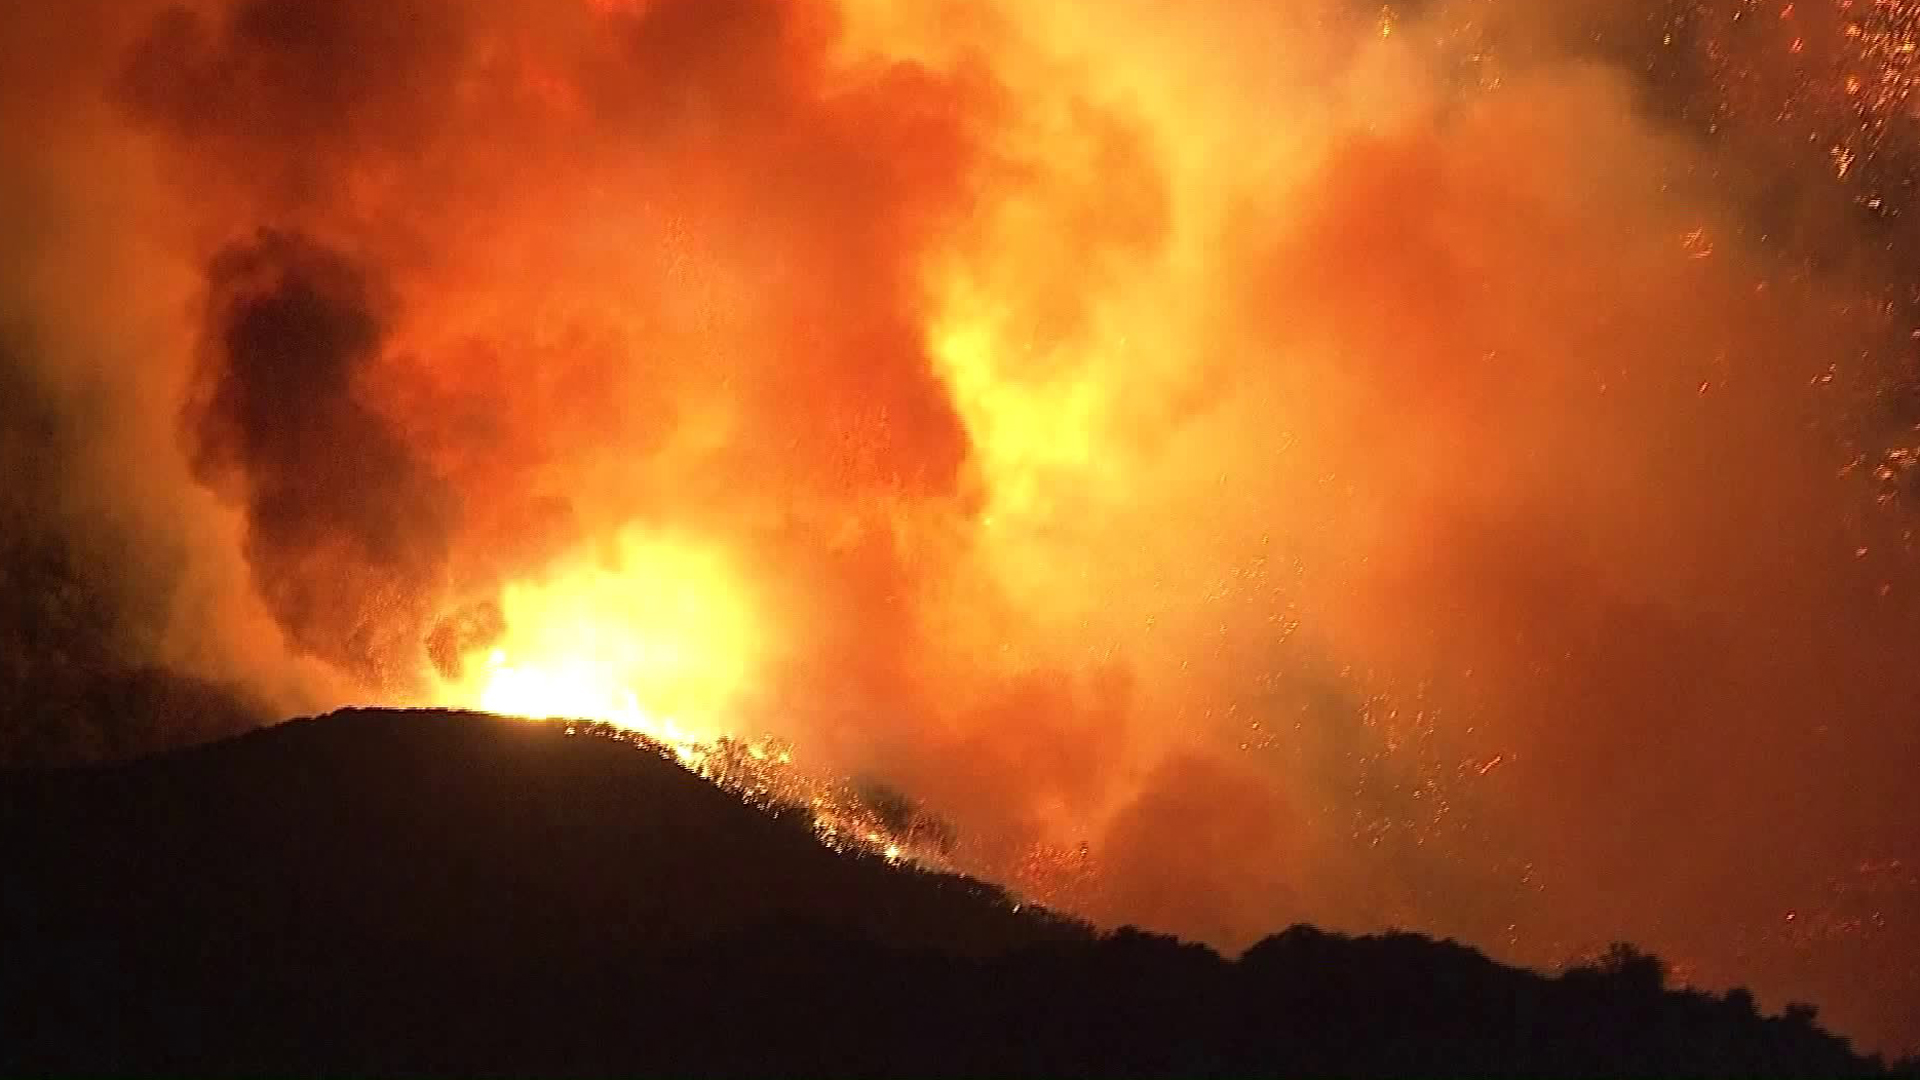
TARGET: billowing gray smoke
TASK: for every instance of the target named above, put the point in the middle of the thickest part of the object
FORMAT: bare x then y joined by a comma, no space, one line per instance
347,529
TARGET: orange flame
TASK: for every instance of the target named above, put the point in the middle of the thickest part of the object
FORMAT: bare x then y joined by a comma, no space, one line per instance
661,637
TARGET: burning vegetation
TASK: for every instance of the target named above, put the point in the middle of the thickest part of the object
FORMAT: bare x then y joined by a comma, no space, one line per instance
1443,464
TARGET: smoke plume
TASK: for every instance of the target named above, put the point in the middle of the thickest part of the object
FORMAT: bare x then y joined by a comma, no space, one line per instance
1444,464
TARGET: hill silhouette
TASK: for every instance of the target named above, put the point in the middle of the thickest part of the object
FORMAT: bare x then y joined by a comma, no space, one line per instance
378,892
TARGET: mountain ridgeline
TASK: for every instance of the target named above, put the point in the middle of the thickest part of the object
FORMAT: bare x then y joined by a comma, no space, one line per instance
392,893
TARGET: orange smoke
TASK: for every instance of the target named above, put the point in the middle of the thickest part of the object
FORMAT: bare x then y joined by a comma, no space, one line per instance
1438,465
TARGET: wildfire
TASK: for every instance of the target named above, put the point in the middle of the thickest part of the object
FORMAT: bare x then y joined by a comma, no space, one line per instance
578,687
659,637
657,643
1207,464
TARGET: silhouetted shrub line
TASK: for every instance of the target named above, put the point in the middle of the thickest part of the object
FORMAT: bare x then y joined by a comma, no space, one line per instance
380,893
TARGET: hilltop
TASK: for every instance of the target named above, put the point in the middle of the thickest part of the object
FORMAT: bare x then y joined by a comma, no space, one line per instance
392,892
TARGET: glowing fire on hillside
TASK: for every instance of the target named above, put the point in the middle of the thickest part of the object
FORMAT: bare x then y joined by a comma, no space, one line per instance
1444,464
658,637
1116,511
656,641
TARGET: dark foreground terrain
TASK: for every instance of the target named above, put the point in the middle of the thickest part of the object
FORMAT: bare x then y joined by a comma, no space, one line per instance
389,893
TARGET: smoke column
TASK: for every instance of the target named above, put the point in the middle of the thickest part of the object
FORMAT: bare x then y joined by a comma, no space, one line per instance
1445,465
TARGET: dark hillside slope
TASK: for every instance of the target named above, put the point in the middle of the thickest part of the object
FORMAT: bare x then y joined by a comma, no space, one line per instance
381,892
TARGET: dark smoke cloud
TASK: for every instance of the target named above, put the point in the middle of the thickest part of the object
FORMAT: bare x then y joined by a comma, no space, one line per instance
347,530
405,136
294,92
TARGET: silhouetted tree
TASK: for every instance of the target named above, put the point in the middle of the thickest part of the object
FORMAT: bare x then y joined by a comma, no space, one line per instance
1638,972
